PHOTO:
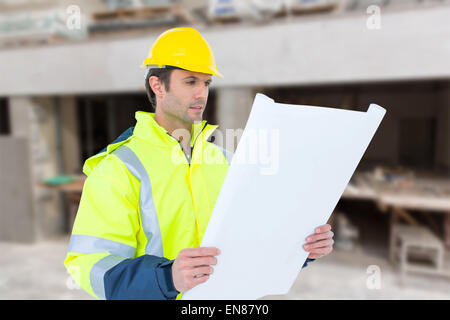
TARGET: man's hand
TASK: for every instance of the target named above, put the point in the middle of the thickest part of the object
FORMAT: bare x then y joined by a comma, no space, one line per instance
320,243
193,266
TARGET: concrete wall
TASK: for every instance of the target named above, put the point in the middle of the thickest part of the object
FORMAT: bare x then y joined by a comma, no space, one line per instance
20,6
402,102
16,214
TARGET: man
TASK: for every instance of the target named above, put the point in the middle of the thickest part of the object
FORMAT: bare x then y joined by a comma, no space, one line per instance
149,195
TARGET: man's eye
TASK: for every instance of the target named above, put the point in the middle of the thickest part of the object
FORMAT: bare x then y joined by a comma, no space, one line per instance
190,82
207,84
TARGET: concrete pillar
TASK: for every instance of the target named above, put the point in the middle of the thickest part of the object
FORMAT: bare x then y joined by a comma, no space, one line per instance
70,136
34,119
443,129
19,113
233,106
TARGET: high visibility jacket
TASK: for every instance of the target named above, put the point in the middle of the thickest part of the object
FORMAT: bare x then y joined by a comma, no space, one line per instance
142,203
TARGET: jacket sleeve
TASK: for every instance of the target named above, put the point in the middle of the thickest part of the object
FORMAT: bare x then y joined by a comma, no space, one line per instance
147,277
306,262
102,251
123,136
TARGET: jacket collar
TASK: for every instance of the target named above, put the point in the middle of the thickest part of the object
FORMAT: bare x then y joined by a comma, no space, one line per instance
149,130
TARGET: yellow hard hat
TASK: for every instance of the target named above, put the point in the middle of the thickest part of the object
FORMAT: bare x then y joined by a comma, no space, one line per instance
184,48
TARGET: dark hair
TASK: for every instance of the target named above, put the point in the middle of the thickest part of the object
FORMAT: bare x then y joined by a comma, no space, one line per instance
164,76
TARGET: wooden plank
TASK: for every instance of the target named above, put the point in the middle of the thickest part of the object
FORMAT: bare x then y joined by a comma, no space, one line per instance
229,18
358,192
140,13
71,187
406,216
415,201
417,236
301,9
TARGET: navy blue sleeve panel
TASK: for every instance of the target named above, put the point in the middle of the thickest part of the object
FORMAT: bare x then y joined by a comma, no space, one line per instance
306,262
123,136
145,278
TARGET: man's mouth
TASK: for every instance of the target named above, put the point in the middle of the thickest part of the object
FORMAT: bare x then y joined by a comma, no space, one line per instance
196,107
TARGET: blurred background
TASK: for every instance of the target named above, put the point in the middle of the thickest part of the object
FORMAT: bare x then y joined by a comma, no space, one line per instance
70,82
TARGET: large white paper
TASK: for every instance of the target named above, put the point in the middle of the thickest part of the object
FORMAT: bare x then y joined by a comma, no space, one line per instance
289,170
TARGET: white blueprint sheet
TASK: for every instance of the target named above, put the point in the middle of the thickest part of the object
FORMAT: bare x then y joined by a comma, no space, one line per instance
305,157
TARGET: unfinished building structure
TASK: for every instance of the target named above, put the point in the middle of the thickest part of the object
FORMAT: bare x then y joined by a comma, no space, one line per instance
63,99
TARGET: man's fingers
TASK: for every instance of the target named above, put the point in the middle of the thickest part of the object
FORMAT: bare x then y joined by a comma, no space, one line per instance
193,266
199,271
198,280
200,252
319,244
319,236
200,261
322,229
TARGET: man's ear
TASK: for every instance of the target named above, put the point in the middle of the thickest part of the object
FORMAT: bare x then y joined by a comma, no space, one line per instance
157,86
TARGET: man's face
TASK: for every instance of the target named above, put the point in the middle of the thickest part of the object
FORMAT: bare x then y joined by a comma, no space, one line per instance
187,95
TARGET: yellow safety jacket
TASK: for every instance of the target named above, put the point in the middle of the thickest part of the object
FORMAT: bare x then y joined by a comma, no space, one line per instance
142,203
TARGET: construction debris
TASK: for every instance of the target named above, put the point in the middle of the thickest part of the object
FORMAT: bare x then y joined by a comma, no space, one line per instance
402,181
138,18
400,191
41,27
233,10
417,249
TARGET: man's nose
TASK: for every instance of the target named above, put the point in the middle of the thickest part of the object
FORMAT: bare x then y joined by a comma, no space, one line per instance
201,92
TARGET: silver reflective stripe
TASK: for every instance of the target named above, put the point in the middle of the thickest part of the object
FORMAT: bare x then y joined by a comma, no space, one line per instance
90,244
98,273
150,223
227,154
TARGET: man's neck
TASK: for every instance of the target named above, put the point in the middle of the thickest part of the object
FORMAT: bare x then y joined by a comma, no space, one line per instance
172,125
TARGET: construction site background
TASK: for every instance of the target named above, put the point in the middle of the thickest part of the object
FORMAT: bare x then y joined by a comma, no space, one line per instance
71,84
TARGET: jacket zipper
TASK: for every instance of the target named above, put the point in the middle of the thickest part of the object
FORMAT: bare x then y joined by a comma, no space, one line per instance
192,148
192,155
189,163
